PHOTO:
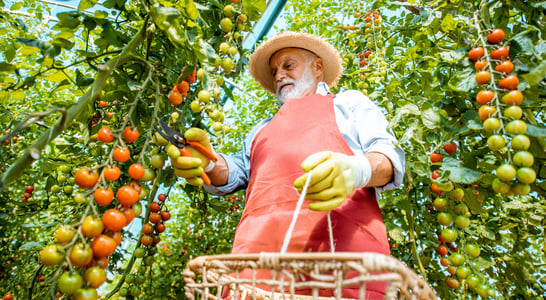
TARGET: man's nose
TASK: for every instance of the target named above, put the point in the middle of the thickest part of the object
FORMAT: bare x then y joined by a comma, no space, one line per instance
280,75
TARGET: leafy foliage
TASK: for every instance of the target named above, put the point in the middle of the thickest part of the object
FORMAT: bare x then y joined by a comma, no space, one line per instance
115,66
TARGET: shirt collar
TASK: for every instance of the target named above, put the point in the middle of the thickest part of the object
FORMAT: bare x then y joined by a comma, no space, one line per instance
322,88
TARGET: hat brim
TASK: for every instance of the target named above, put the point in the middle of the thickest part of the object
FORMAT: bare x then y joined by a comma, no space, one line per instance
259,60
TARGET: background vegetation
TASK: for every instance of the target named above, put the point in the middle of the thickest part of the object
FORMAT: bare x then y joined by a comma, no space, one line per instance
66,77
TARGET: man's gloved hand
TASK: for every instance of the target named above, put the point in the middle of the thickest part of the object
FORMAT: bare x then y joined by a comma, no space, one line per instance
191,167
334,177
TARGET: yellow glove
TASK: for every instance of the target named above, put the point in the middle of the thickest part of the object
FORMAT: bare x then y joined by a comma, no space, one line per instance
191,167
335,176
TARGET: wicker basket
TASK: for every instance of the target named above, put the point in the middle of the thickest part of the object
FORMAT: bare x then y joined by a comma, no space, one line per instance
218,277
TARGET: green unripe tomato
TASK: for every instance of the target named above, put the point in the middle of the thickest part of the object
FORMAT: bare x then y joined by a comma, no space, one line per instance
506,172
520,189
491,125
500,186
523,159
526,175
516,127
226,25
445,219
196,106
513,112
495,142
462,222
456,194
520,142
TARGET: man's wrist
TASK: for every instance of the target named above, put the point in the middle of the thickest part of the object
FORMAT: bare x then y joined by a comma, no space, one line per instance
363,170
211,164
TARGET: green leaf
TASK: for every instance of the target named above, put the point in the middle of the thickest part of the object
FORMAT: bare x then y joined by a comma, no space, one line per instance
85,4
458,173
484,13
523,42
536,75
191,10
69,20
402,112
254,9
31,246
81,80
63,43
203,49
59,76
452,56
396,234
433,117
99,14
449,23
463,80
536,130
5,67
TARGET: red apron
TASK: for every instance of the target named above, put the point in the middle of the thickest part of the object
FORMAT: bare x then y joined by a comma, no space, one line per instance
300,128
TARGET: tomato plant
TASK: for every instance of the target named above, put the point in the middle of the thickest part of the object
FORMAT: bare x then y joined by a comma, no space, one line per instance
67,80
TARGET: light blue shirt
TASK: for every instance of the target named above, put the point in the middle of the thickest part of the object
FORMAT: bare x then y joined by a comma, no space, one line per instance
360,121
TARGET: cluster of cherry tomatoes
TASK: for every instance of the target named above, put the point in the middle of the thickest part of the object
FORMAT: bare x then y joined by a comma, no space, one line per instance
155,226
375,51
506,131
453,215
180,90
81,250
28,193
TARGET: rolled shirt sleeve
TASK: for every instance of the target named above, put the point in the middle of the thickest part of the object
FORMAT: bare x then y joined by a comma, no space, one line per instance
364,128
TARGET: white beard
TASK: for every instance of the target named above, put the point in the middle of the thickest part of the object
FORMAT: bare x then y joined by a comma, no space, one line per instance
298,88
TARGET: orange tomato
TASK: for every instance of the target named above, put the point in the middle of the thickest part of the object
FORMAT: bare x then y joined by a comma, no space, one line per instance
496,36
175,98
509,82
121,154
113,220
103,196
85,179
484,96
103,246
505,67
480,64
486,111
105,135
129,214
136,171
514,97
500,53
111,173
435,157
154,218
483,77
146,240
183,87
476,53
130,135
127,195
147,229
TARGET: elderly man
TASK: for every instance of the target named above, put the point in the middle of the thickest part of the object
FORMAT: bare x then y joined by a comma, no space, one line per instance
342,138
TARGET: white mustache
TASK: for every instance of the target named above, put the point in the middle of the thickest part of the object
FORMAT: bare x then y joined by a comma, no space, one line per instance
283,82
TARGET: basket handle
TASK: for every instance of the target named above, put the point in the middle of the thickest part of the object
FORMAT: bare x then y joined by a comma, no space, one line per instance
288,235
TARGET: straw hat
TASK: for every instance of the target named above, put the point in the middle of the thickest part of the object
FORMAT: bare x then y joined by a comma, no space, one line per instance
259,60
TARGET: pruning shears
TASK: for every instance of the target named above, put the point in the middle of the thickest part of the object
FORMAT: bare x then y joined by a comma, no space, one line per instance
176,138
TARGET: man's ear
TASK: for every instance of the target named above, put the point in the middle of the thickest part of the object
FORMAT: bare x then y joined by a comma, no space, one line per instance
317,67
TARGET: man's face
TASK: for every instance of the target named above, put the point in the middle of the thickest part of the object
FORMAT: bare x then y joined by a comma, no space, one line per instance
296,73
